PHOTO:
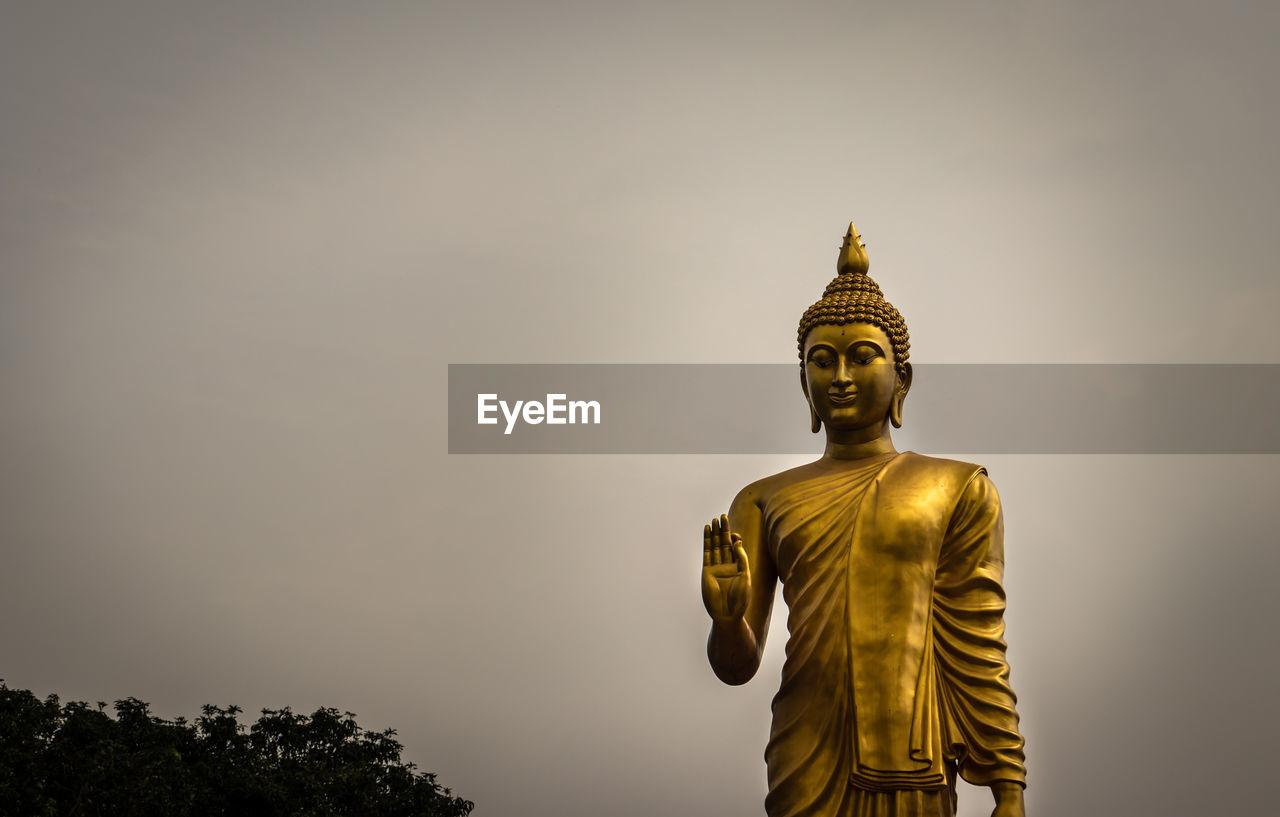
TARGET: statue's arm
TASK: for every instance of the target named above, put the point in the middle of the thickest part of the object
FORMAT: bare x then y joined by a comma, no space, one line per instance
735,646
1009,799
969,604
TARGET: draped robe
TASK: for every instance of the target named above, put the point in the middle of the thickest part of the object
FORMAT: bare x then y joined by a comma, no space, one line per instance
895,675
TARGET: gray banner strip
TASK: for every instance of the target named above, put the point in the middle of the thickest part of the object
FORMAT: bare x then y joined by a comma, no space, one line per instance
952,409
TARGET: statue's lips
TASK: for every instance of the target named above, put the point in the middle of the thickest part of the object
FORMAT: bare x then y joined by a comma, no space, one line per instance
841,398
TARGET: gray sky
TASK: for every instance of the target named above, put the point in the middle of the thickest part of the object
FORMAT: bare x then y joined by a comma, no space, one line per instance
241,243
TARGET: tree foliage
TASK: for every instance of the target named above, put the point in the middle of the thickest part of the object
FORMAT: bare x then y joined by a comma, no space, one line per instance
75,759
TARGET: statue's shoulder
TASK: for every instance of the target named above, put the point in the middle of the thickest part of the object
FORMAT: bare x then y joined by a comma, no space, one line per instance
952,474
759,492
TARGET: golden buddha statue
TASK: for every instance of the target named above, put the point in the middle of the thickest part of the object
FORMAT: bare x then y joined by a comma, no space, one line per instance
895,679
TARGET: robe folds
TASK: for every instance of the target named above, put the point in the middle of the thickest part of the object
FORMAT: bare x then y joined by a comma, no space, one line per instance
895,676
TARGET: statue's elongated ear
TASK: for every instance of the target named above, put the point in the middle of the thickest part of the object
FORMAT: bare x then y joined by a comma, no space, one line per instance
815,422
900,396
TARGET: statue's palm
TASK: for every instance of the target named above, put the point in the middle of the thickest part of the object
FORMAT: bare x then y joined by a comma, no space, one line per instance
726,574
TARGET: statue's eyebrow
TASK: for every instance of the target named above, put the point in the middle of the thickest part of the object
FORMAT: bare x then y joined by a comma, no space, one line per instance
864,342
820,347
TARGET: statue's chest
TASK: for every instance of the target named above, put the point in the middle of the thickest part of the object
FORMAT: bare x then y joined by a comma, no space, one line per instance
876,531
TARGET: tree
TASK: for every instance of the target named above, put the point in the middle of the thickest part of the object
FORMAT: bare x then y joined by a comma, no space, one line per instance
75,759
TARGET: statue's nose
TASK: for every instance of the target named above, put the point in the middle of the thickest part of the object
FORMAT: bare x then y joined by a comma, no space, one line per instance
843,375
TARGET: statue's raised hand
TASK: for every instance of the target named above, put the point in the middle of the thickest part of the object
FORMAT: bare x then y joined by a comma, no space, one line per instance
726,575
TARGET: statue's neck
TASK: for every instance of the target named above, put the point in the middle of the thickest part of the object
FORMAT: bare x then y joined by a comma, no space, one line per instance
859,444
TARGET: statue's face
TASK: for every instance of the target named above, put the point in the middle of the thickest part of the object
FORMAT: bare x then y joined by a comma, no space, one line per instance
850,374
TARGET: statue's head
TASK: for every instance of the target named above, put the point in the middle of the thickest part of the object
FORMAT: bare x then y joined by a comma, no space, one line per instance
854,341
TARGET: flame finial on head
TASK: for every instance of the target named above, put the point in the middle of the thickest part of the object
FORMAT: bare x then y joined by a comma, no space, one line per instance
853,254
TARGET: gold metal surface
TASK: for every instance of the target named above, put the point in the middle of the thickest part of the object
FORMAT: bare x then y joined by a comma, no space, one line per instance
891,565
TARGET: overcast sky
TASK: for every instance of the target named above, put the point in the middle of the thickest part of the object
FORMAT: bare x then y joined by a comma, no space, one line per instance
240,243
